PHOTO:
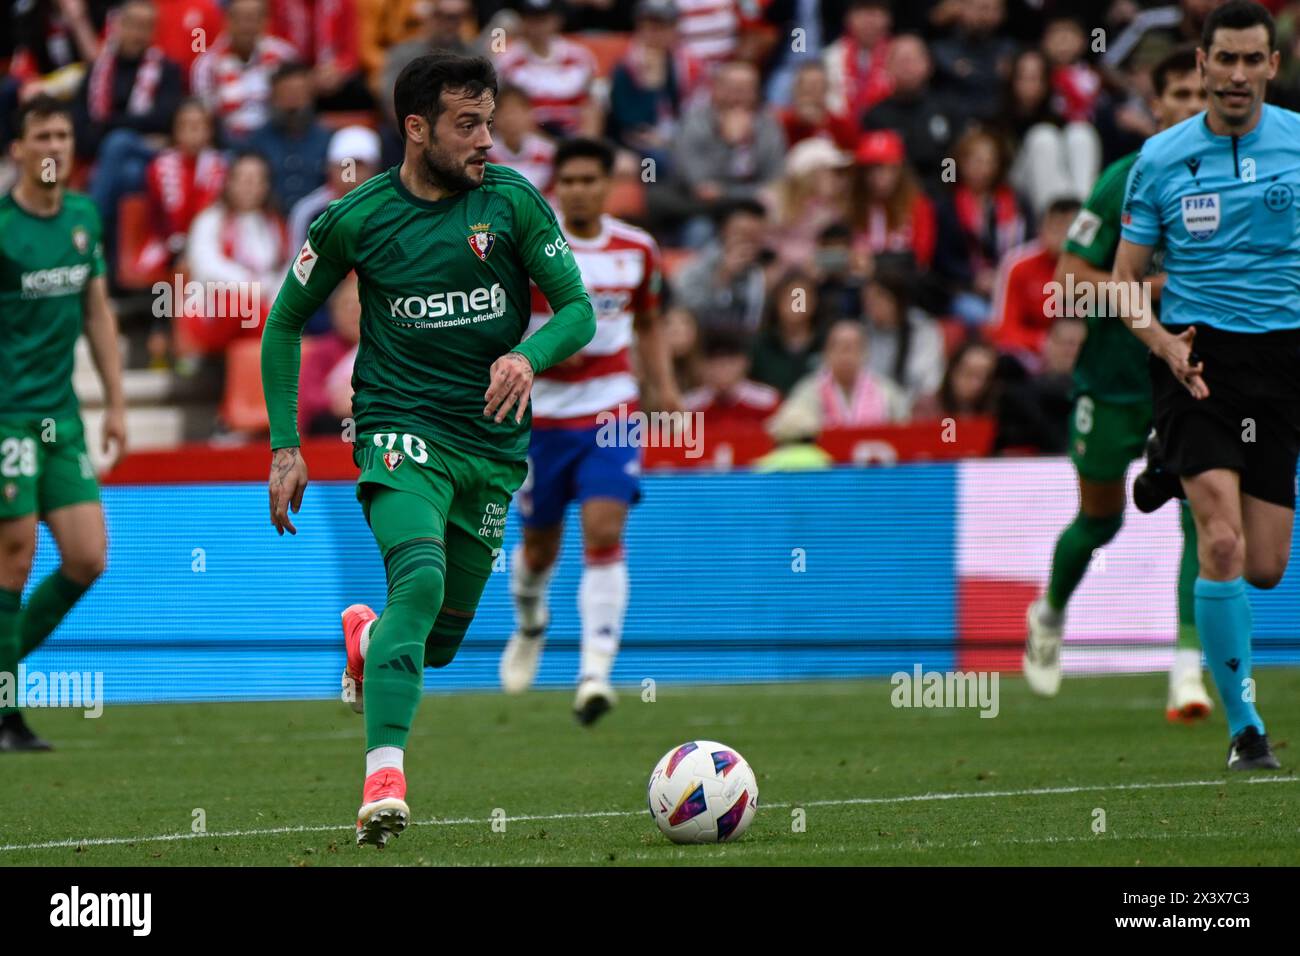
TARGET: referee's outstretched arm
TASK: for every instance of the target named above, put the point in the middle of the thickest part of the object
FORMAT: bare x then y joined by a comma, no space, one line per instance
1129,276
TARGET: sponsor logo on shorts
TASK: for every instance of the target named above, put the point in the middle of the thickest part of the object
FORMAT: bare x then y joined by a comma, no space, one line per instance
11,491
1201,215
392,459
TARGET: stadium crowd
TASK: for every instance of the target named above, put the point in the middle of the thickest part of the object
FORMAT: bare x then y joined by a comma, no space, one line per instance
858,201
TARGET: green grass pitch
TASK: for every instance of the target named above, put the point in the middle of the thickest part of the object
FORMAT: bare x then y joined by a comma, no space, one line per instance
278,783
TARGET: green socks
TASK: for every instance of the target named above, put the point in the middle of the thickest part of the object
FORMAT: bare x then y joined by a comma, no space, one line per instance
49,604
1073,554
394,678
10,648
1188,570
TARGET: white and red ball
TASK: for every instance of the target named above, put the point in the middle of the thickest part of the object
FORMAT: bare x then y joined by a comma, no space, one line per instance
703,792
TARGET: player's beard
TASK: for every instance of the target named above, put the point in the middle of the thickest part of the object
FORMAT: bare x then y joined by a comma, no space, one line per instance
442,172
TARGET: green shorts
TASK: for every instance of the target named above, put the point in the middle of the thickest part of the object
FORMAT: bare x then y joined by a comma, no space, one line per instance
470,494
44,467
1106,436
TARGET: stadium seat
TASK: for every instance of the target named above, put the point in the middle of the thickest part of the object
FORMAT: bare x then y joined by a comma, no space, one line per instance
132,233
608,48
626,198
341,118
672,259
243,407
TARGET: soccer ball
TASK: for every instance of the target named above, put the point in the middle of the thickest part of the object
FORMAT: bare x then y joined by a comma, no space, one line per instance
703,792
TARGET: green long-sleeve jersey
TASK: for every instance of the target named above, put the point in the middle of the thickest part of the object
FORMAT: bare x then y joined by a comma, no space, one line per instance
444,293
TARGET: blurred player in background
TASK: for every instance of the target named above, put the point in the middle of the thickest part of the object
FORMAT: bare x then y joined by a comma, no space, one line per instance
1219,194
1112,418
444,246
52,289
568,460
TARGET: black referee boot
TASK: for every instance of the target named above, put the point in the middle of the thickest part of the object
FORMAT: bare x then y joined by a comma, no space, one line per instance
17,737
1249,750
1155,485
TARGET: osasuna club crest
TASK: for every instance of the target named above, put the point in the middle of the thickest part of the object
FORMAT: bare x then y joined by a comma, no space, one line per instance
480,240
392,459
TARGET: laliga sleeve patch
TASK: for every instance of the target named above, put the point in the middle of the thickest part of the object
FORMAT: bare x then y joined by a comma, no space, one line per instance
1084,228
305,262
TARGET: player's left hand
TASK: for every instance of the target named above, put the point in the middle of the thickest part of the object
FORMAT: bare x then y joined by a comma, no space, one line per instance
511,382
113,440
1177,353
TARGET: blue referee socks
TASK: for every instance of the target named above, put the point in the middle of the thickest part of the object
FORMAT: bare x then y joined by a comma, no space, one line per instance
1223,618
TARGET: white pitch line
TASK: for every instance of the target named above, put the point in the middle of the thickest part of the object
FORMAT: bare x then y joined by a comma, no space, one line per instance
596,814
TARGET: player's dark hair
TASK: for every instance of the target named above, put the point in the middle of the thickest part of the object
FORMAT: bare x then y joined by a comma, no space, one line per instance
1177,63
286,70
270,204
1238,15
897,286
510,91
987,403
740,207
1064,206
419,87
724,342
837,231
40,106
582,147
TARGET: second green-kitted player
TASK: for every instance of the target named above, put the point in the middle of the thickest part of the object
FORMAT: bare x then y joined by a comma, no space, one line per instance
1111,421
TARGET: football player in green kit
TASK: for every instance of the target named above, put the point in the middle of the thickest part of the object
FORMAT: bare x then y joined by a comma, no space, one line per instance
1111,422
52,289
443,246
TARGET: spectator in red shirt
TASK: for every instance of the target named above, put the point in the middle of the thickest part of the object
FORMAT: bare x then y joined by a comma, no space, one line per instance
855,63
181,182
1026,277
980,221
554,71
728,396
233,78
183,22
516,141
1076,85
893,219
324,32
809,112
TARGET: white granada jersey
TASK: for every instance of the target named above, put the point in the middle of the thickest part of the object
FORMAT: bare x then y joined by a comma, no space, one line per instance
620,268
557,84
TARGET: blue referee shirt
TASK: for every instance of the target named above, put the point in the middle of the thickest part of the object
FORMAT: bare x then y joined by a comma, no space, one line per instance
1226,210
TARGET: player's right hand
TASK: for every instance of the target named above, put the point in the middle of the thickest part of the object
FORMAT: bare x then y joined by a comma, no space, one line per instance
1177,353
287,483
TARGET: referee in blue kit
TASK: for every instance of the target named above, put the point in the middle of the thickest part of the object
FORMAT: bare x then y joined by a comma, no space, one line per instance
1219,193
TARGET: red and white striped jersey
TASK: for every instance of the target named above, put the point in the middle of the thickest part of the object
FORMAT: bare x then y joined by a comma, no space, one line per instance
534,160
557,85
620,268
239,92
708,28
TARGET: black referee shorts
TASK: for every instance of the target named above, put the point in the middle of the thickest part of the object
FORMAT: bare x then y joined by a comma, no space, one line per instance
1250,422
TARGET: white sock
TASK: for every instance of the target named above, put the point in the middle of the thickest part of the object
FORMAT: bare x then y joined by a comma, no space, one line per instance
602,603
528,588
1048,615
384,758
365,638
1187,660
